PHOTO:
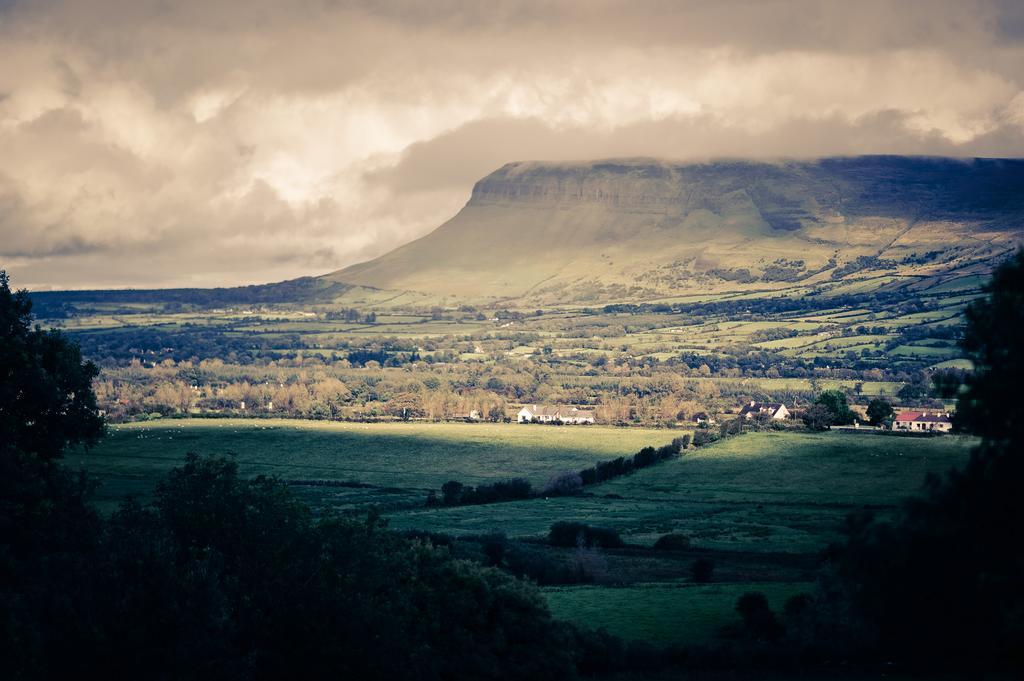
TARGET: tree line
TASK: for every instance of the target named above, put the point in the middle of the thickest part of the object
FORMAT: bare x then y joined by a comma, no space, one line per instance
455,493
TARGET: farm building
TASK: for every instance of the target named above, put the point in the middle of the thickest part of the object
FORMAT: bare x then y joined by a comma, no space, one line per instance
775,411
918,421
532,413
702,418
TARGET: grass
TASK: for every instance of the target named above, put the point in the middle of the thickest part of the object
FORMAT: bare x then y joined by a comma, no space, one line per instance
762,505
835,468
412,456
662,614
762,492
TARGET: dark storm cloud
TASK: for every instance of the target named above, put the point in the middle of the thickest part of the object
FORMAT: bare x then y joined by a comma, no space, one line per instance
209,143
459,157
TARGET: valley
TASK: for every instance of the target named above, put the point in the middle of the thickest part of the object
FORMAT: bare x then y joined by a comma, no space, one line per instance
660,300
760,507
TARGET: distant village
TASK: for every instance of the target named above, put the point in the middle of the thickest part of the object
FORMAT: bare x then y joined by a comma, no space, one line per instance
911,421
187,400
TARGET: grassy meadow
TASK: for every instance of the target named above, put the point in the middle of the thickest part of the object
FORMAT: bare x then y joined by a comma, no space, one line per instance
405,459
763,492
659,613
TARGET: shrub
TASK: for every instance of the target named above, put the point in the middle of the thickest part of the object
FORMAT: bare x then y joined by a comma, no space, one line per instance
494,546
539,565
879,411
731,427
563,484
435,538
451,492
570,534
703,436
503,490
682,442
702,570
672,542
454,493
645,457
817,417
835,402
759,621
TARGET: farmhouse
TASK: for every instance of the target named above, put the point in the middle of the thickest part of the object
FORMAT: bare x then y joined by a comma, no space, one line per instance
918,421
532,413
702,418
774,411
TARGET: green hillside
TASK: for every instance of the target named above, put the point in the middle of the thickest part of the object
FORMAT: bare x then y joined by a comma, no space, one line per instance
644,229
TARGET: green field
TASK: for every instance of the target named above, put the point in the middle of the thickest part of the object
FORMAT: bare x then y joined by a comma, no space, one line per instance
761,492
662,614
403,459
761,505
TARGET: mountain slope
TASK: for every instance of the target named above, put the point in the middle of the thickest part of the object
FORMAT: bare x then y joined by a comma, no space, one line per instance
640,228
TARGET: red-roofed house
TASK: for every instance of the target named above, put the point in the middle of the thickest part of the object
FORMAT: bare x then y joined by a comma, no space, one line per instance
922,422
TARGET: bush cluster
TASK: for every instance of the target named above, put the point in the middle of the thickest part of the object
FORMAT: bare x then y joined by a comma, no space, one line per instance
234,579
704,436
454,493
571,534
565,483
648,456
528,561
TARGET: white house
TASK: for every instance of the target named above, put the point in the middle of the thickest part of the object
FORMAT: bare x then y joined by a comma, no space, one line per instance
532,413
922,422
702,418
775,411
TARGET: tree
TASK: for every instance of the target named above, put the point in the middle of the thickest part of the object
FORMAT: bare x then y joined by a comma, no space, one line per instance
451,492
46,404
47,528
46,397
223,577
946,575
759,621
839,410
879,411
231,578
564,484
990,404
817,417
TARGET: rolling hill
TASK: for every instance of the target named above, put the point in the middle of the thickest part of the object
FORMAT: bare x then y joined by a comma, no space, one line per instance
643,229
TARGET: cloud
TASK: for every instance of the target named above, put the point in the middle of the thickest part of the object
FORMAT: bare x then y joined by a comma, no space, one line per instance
152,143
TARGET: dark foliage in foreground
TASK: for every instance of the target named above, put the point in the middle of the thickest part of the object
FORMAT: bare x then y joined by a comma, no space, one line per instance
759,622
222,577
228,578
945,583
46,398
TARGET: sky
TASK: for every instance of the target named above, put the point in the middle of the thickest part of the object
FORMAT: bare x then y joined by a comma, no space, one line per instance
157,143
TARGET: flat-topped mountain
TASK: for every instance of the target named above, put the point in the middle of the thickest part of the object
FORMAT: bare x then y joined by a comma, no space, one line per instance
642,228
